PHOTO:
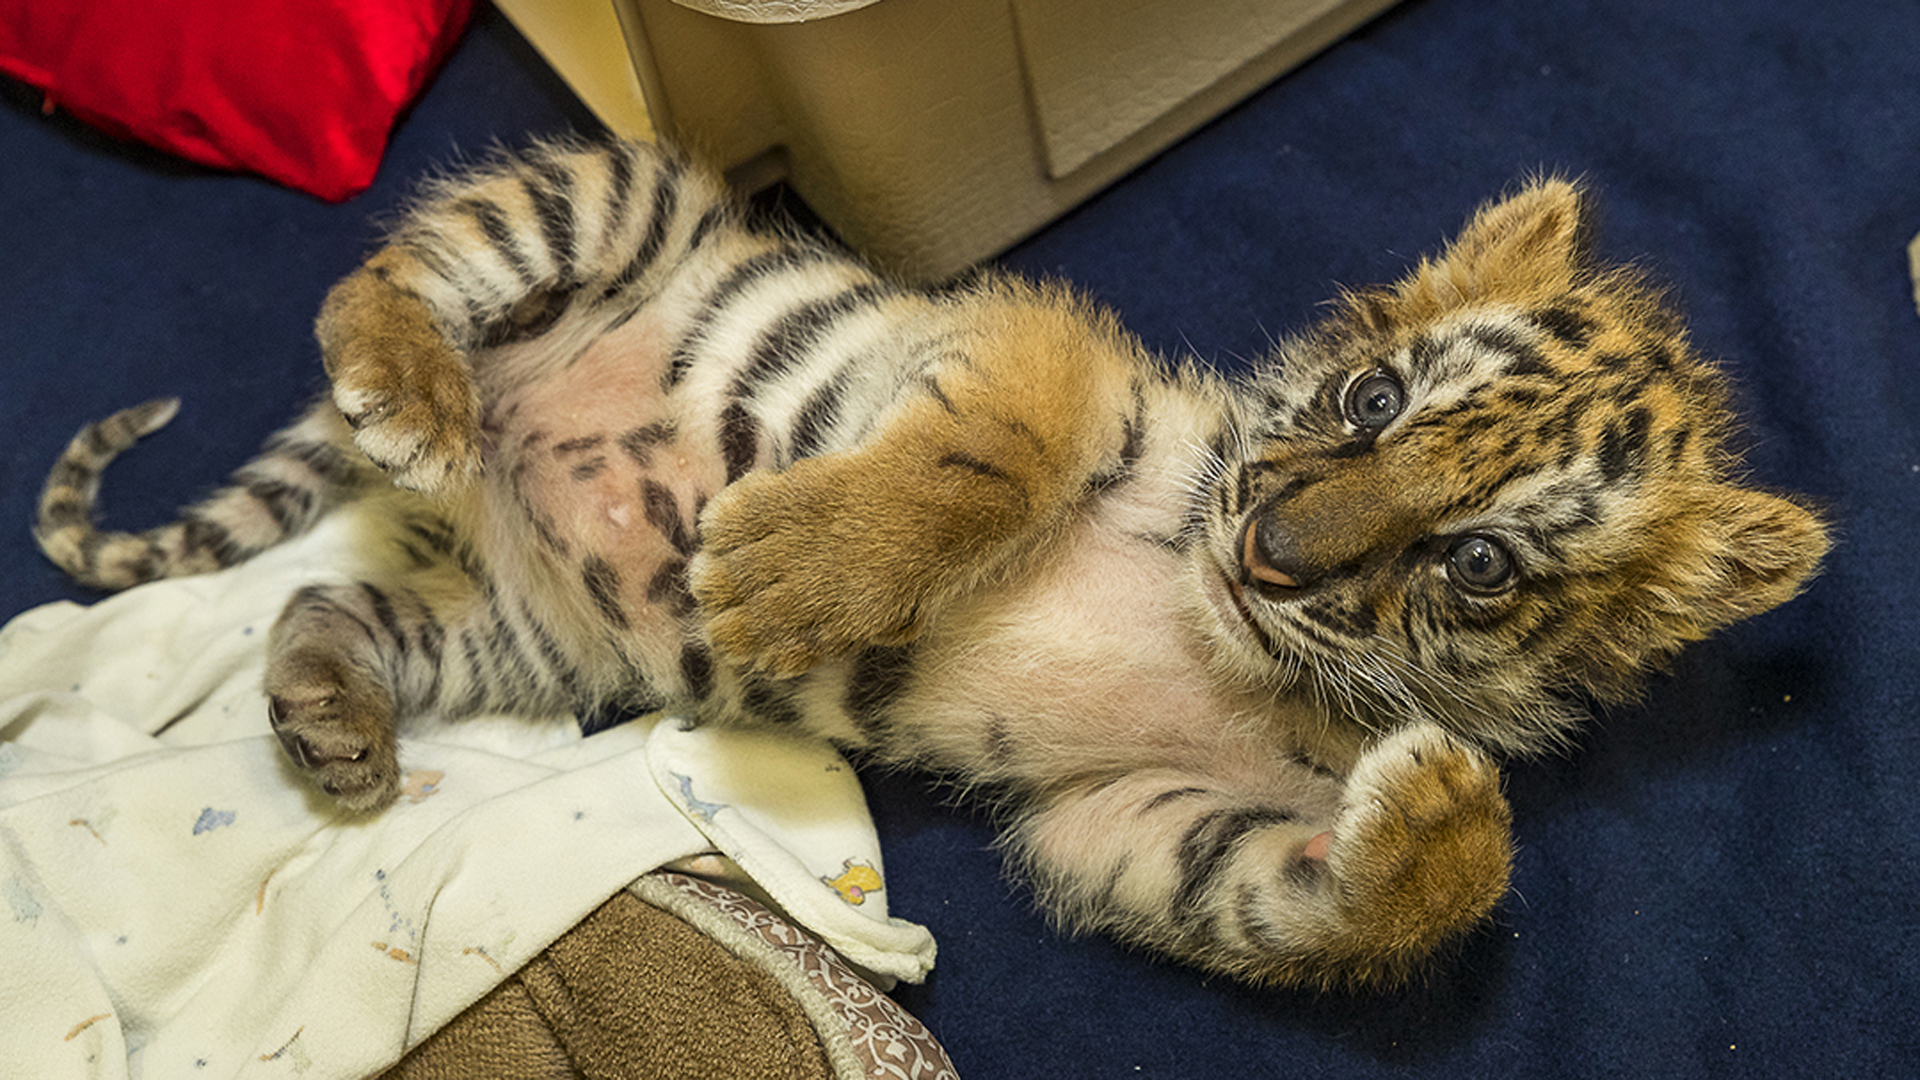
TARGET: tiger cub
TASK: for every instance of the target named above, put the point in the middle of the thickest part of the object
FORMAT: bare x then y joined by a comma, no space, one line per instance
1234,654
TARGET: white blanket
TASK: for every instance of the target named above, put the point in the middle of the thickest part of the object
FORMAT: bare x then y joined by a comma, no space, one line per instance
176,901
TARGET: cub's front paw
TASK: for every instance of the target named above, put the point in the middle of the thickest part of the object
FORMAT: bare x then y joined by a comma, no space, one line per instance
1421,848
799,566
337,726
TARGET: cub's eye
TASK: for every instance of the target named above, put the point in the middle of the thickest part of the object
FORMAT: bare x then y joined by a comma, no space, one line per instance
1480,564
1374,400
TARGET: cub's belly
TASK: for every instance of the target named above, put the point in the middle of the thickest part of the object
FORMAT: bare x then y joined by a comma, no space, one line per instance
601,475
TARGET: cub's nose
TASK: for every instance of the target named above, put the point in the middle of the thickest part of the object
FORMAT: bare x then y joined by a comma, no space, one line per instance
1270,556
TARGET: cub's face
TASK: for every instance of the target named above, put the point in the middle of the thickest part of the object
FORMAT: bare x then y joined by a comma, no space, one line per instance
1498,483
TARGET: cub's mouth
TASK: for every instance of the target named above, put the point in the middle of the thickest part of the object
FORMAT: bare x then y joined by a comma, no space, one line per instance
1237,601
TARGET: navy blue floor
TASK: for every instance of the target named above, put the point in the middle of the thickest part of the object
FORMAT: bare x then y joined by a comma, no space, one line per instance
1721,881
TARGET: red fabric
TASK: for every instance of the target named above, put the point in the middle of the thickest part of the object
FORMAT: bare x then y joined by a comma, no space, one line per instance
302,91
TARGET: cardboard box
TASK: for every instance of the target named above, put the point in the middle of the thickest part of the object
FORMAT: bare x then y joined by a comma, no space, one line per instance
929,133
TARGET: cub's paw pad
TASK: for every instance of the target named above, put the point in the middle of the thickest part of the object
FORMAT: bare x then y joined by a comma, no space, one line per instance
349,753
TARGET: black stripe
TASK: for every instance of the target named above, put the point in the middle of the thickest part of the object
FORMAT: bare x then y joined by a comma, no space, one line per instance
666,198
574,446
621,185
1623,448
1423,354
383,613
477,688
552,199
432,637
1132,442
662,511
437,534
71,473
939,395
1524,358
200,535
781,345
1171,795
696,667
289,506
822,408
100,442
1208,846
639,442
499,233
549,649
603,584
421,245
669,588
64,509
324,460
769,702
739,440
881,674
504,645
1349,622
708,222
742,277
1567,324
959,459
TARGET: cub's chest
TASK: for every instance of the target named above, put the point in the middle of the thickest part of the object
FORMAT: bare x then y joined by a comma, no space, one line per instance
1100,646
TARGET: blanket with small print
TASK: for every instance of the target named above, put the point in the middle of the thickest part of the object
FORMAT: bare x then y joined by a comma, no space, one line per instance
176,901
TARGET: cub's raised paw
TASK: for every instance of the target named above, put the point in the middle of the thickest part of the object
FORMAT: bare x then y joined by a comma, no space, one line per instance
1421,849
799,566
404,390
336,726
419,422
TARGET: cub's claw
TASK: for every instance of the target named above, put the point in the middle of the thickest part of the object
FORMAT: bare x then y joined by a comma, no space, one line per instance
337,732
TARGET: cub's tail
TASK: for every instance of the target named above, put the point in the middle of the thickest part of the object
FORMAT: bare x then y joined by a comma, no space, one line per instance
304,470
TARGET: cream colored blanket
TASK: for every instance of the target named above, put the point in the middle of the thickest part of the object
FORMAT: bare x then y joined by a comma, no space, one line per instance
175,901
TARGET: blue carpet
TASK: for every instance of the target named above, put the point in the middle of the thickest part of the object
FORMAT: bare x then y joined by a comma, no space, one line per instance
1720,881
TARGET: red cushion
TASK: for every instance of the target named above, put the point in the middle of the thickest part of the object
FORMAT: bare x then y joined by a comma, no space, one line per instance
302,91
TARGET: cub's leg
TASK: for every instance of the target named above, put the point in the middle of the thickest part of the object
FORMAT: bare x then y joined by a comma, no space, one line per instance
1354,887
344,661
329,696
980,468
491,253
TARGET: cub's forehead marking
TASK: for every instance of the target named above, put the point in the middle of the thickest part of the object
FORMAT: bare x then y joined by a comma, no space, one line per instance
1472,347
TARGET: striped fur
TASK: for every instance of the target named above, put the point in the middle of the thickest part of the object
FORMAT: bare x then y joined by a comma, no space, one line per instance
1231,655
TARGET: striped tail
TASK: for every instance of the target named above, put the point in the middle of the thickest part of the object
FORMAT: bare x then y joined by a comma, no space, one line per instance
304,470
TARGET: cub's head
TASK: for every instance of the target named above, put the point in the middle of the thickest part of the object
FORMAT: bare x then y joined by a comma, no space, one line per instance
1498,483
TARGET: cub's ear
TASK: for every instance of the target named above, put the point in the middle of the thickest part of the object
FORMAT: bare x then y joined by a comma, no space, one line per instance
1722,553
1742,552
1530,244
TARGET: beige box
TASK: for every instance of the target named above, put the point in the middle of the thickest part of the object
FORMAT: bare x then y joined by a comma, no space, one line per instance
929,133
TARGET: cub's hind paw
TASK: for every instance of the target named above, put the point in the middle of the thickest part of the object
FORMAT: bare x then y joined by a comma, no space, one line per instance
402,386
421,427
336,728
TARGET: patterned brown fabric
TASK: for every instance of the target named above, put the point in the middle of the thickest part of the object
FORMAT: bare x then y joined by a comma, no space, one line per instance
888,1041
680,978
